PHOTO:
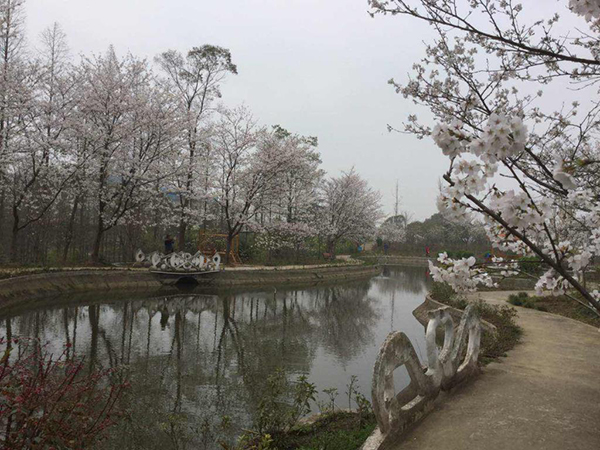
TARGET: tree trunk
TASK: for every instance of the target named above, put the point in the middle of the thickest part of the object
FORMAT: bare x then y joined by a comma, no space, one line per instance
2,220
331,248
97,243
70,226
14,238
228,248
181,235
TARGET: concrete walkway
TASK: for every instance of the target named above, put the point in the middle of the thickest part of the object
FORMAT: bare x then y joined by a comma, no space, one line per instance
544,395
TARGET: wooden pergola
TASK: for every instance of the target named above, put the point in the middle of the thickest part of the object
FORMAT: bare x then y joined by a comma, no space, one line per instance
206,244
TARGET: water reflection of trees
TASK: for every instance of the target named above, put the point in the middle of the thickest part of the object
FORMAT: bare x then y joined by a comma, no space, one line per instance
193,359
395,278
346,317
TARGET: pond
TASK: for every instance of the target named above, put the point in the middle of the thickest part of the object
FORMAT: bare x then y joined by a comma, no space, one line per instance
196,358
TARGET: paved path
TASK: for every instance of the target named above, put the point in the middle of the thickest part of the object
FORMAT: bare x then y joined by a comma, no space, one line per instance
544,395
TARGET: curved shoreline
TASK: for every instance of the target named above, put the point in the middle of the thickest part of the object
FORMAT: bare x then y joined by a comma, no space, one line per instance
42,285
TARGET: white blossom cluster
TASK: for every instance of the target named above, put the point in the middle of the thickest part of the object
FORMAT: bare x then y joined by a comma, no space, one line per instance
519,211
562,175
552,282
590,9
503,138
392,232
282,235
505,268
460,274
450,138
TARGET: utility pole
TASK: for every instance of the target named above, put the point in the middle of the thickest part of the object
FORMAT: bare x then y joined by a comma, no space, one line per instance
397,203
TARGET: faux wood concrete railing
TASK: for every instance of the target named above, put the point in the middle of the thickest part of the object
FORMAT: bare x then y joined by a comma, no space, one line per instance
446,367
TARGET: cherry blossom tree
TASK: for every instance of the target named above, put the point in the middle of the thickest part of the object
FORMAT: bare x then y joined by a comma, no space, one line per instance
483,79
350,210
252,163
42,167
127,137
392,230
294,193
281,235
195,81
11,89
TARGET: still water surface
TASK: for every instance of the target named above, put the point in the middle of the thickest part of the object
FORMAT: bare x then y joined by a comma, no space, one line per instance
194,358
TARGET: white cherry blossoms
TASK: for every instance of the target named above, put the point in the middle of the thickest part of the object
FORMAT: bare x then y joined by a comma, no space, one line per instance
590,9
460,274
562,175
475,160
502,137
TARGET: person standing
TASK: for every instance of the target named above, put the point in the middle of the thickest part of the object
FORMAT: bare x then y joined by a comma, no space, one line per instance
169,244
427,251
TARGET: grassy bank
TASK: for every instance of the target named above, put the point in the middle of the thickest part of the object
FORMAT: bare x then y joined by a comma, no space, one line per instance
508,333
560,305
340,430
278,422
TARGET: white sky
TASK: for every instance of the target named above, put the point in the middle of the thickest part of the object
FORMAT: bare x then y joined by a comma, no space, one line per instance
316,67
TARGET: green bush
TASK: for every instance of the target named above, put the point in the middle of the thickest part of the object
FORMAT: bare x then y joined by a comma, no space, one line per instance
523,299
275,414
531,265
282,405
518,299
442,291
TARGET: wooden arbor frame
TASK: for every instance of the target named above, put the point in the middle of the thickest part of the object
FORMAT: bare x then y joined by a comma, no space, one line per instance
206,245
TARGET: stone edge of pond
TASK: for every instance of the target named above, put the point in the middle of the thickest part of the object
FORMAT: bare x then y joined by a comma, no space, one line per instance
398,260
52,283
421,313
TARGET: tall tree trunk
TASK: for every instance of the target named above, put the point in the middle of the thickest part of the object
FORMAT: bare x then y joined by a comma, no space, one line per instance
97,243
187,203
82,235
331,248
228,248
14,238
102,180
69,233
181,235
2,219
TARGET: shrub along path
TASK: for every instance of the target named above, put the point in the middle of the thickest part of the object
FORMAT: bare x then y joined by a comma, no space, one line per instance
544,395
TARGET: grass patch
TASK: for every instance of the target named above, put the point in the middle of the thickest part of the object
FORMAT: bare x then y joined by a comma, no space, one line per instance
284,402
560,305
493,345
339,430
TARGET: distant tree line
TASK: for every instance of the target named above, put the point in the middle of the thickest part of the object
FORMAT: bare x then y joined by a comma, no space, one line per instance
437,233
107,154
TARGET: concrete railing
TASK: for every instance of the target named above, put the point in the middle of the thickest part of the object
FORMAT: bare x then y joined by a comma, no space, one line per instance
446,367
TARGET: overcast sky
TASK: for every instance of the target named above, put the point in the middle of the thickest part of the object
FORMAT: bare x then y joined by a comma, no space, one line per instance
316,67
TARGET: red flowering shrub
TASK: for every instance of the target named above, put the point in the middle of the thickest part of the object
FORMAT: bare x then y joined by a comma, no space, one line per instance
53,403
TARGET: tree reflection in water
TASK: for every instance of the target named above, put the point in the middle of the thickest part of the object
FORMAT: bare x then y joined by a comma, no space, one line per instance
193,359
